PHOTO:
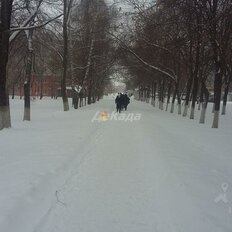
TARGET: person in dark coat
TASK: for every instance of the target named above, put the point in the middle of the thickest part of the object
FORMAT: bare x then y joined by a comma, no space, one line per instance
125,101
118,102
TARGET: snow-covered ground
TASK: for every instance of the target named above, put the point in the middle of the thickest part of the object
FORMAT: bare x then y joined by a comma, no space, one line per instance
162,173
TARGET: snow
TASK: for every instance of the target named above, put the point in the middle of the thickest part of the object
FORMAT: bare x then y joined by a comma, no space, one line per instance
165,173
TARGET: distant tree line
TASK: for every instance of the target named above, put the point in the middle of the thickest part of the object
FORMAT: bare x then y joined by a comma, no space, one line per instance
178,50
66,38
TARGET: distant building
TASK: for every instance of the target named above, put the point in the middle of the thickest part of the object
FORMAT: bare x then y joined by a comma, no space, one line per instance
46,86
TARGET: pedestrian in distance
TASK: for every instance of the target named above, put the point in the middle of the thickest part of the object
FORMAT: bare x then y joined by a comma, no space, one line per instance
125,101
118,102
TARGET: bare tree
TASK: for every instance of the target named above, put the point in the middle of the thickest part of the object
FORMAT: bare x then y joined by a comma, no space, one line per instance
5,22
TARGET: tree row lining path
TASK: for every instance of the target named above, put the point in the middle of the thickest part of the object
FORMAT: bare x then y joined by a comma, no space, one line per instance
161,173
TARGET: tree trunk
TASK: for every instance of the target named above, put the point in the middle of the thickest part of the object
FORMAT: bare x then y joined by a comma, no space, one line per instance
179,102
65,58
81,100
5,20
41,89
160,94
13,91
225,98
27,115
217,64
169,95
154,96
190,79
90,93
75,99
20,91
174,97
195,80
152,92
27,84
217,98
203,112
194,97
187,98
201,100
205,103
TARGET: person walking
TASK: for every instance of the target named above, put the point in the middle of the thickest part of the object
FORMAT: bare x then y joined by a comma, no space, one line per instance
118,102
126,101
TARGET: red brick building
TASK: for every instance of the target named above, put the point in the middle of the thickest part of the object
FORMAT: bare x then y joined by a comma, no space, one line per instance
47,85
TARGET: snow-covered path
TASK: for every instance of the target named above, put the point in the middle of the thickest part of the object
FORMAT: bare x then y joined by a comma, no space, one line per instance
161,173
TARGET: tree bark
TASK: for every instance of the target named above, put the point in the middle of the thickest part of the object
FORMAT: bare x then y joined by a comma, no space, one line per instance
27,83
204,104
5,20
41,89
201,100
13,91
226,91
75,99
190,79
169,95
217,98
89,92
154,94
194,97
195,78
65,58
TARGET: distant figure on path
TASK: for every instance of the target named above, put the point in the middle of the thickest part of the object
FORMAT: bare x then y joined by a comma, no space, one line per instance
118,102
125,101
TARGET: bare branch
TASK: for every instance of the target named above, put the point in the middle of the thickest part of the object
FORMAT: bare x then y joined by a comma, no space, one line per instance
125,47
36,26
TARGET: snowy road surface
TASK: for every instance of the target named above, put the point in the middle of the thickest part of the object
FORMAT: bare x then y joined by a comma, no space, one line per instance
164,173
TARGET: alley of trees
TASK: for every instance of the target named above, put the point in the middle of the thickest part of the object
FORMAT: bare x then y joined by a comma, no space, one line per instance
177,52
